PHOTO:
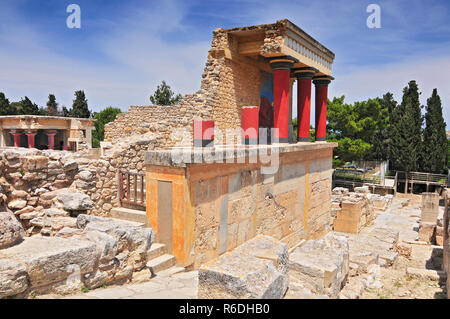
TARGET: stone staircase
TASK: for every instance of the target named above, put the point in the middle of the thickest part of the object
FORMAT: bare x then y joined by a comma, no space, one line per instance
159,261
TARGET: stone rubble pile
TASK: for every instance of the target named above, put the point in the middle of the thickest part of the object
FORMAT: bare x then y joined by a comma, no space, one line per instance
322,265
88,251
351,211
257,269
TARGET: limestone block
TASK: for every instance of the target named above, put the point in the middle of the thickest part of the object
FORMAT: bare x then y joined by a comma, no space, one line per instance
236,275
72,199
427,232
17,204
430,207
49,261
11,231
323,263
13,278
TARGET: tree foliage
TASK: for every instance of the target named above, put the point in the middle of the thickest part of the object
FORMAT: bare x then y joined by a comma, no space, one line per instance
164,95
28,107
5,107
434,159
406,131
80,106
359,128
52,106
103,117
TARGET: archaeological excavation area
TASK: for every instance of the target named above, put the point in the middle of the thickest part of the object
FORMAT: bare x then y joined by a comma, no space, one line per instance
214,197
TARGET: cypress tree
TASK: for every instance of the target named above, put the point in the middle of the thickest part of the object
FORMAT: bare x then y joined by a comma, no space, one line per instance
28,107
406,131
434,137
52,106
80,106
5,107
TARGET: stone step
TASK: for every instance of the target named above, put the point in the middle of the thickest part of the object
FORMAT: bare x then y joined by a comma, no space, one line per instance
172,271
156,250
161,263
128,214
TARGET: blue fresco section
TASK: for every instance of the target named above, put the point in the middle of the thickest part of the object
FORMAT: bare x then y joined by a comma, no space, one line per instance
267,87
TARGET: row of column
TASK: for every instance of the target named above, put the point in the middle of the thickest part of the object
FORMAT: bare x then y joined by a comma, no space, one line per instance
31,134
282,70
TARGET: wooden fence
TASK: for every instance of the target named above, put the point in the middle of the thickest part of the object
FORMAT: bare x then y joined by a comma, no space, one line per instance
132,188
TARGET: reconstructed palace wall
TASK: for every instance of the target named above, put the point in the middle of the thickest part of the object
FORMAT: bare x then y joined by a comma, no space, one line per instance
229,82
216,207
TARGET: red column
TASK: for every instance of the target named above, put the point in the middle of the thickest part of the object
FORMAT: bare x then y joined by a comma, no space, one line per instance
304,77
17,136
250,125
51,139
281,87
321,84
30,135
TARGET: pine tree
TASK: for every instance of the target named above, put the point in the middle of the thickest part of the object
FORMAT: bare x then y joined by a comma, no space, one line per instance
52,106
406,131
164,95
28,107
80,106
5,107
434,137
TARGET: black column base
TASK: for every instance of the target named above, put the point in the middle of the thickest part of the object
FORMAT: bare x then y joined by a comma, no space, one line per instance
321,139
249,141
303,139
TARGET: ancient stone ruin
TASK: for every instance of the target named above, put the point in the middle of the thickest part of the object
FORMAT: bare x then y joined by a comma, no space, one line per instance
176,190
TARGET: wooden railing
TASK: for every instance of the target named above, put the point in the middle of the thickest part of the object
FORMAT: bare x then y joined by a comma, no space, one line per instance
132,188
423,178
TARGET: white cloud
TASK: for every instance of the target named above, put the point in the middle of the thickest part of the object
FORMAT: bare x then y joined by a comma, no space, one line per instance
376,80
135,44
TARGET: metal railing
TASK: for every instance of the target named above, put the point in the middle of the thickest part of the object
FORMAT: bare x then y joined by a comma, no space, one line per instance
132,188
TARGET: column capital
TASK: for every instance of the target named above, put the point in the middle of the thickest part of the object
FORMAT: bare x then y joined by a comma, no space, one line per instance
305,73
281,64
322,80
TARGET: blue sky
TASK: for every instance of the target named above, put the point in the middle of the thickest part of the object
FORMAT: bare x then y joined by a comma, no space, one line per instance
125,48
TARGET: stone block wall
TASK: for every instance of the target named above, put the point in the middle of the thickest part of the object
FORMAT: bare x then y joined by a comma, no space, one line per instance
217,207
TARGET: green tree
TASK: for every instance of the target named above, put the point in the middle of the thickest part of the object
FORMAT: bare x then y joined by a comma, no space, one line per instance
362,124
406,131
382,140
52,106
28,107
434,137
164,95
5,107
103,117
80,106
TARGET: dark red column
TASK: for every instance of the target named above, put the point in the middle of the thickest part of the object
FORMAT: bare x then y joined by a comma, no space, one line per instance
30,135
281,87
250,125
51,139
17,136
321,84
304,84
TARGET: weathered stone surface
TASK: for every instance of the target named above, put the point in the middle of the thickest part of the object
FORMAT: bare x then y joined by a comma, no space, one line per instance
427,232
255,270
86,176
72,199
51,260
13,278
11,231
17,204
55,212
323,263
129,235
